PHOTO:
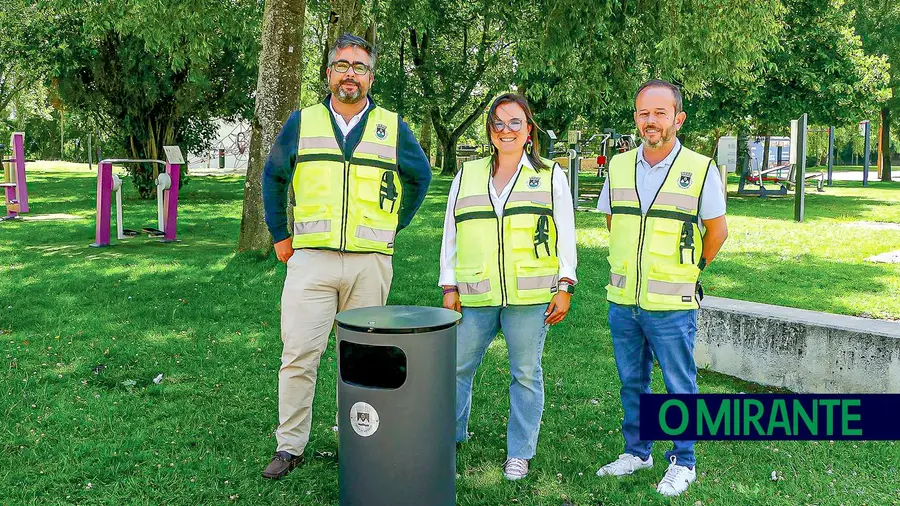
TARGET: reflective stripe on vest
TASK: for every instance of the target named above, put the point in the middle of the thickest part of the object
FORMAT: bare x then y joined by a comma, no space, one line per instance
510,261
347,204
653,257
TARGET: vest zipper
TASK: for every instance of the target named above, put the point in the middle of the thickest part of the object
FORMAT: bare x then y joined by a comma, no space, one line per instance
502,264
642,233
344,204
503,295
640,255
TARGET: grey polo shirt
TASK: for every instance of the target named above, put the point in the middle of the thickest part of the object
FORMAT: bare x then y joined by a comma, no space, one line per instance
650,180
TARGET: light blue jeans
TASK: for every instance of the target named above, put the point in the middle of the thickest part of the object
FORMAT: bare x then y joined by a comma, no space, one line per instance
637,336
525,330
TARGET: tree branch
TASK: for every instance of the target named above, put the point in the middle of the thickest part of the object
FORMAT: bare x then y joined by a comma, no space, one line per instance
475,76
473,116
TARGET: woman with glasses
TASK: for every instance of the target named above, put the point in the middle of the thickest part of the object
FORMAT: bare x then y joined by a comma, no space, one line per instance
508,263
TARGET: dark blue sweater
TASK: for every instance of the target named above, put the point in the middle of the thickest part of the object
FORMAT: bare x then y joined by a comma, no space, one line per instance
414,170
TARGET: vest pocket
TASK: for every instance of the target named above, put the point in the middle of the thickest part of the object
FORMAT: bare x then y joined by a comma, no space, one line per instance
314,182
536,279
521,230
666,237
671,284
372,221
380,187
474,285
529,232
618,278
367,182
312,222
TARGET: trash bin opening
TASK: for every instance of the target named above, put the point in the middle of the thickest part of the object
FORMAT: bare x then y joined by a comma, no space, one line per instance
372,366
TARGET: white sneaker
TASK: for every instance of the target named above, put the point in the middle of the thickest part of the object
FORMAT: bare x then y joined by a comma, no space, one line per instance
515,469
676,480
624,465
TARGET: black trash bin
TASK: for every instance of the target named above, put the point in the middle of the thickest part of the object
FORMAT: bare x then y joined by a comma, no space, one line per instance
396,406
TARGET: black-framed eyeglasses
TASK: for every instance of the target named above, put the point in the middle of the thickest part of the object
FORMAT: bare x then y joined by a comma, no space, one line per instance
342,66
514,125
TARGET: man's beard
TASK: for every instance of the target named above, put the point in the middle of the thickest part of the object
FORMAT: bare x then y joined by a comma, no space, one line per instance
665,136
347,98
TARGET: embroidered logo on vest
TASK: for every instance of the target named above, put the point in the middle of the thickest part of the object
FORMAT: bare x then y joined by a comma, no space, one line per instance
534,182
380,131
685,180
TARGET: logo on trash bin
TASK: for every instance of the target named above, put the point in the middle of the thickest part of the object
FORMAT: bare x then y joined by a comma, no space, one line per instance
363,419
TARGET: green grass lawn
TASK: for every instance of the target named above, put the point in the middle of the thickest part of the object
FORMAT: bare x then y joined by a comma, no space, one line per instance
84,332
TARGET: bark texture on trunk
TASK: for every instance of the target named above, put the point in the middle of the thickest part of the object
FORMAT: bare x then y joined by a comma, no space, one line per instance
277,95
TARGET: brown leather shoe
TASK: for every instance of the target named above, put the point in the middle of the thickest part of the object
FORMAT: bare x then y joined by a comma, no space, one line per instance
282,464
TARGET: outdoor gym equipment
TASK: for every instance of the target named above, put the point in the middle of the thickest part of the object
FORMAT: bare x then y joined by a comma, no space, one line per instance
865,129
798,166
761,173
574,156
167,186
610,144
14,183
551,150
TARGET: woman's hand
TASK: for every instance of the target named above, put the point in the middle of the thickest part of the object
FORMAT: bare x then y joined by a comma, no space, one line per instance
451,300
558,308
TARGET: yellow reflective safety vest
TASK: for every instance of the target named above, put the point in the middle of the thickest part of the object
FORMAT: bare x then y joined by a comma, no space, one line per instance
512,261
653,257
347,204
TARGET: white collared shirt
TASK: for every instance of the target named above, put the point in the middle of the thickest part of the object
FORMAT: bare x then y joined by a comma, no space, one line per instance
346,126
563,217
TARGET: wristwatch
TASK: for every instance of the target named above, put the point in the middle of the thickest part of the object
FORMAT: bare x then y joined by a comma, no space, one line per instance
567,287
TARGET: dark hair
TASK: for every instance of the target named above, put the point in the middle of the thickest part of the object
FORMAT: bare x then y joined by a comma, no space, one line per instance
514,98
349,40
659,83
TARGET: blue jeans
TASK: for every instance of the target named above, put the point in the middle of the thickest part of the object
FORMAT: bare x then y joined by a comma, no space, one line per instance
637,336
525,330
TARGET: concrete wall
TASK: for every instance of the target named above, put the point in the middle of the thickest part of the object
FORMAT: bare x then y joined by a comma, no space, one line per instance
803,351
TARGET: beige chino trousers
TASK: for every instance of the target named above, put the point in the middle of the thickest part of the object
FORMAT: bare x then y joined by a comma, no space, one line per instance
319,284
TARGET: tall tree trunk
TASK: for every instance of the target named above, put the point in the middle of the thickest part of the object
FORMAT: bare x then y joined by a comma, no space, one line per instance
449,147
717,133
277,95
439,156
449,138
764,163
347,16
885,144
425,137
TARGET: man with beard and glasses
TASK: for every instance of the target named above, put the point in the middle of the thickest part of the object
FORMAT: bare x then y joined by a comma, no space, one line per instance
666,215
358,176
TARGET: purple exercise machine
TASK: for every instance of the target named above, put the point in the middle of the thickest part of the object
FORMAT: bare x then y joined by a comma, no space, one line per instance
167,186
14,184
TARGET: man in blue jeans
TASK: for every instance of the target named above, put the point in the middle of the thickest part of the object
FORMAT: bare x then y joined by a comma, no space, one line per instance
666,215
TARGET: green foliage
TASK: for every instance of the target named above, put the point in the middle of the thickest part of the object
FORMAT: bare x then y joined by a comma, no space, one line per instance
446,61
820,69
587,58
149,73
877,23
